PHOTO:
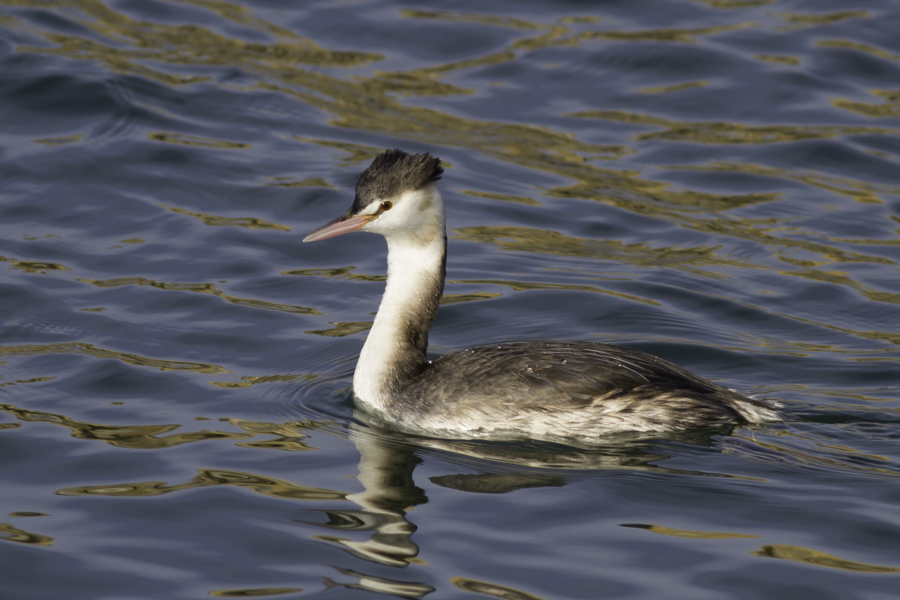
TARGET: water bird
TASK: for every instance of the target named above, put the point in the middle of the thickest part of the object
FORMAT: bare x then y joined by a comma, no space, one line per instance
548,390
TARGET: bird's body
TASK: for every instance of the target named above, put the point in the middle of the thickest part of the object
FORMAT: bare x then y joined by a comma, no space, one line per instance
547,390
540,390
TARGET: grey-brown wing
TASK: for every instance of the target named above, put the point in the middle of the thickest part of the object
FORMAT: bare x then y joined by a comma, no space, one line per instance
560,373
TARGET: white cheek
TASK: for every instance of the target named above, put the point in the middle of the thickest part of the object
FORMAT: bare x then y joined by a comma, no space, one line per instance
396,219
411,213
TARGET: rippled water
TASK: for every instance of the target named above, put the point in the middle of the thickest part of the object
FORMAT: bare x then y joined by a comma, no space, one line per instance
713,181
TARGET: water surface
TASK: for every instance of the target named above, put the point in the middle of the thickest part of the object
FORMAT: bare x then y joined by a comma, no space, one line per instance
713,181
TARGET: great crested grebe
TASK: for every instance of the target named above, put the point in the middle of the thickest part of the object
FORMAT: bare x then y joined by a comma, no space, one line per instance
541,390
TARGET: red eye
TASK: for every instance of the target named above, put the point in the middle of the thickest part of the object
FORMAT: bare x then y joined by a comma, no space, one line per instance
387,205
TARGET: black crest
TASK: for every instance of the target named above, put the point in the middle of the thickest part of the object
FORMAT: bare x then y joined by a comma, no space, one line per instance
394,172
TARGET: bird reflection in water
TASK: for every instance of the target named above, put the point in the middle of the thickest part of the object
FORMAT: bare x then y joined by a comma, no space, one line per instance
386,466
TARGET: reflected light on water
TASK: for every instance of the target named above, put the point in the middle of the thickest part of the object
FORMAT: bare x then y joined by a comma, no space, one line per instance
713,181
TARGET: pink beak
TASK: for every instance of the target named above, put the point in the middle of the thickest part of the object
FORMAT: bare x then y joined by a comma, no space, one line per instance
339,226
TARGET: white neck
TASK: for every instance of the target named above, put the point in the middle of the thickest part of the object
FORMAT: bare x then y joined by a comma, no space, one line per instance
394,352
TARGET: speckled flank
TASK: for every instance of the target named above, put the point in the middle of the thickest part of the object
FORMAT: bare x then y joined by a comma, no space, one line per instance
567,389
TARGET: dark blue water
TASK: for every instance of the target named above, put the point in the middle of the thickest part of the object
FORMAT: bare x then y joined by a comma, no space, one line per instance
713,181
